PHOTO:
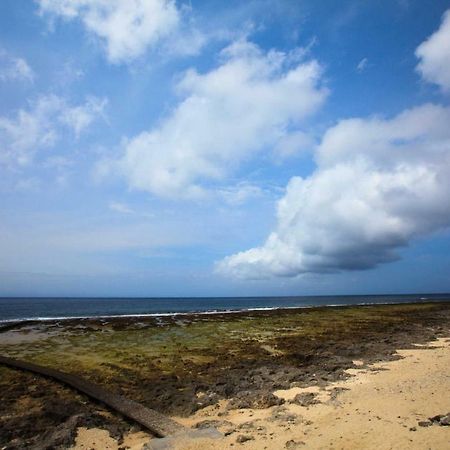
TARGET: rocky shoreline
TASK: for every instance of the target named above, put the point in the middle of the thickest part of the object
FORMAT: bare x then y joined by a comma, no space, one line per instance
179,365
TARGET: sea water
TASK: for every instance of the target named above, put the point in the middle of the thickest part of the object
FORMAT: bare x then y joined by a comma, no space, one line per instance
12,309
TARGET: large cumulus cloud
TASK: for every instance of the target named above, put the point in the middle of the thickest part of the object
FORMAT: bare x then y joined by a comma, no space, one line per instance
251,101
379,183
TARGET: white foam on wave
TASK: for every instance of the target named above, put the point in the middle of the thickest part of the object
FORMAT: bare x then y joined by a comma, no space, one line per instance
211,312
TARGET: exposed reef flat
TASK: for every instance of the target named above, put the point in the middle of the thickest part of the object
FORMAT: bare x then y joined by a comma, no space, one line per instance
180,365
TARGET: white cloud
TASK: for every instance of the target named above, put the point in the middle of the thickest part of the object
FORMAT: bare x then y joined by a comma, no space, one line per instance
240,194
68,73
41,126
186,41
128,28
434,55
120,208
80,117
379,184
252,101
362,65
14,69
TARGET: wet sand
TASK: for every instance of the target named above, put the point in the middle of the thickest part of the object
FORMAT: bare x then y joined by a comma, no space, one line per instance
240,372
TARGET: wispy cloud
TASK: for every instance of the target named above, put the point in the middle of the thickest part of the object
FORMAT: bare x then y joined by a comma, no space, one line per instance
13,68
362,65
41,125
80,117
120,208
240,194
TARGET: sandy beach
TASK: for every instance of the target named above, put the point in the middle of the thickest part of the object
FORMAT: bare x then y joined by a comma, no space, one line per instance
379,407
341,378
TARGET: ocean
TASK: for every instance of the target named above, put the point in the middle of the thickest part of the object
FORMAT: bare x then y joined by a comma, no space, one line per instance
12,309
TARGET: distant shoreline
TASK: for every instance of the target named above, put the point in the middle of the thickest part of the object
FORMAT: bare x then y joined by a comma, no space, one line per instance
29,320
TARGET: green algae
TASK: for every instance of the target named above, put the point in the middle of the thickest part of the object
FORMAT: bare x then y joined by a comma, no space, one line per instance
200,341
132,355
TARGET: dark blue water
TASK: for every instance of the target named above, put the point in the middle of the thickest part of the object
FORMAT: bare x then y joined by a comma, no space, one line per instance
45,308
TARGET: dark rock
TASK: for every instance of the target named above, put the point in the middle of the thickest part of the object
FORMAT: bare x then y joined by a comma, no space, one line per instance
211,424
435,419
254,399
425,423
291,445
441,419
336,391
305,399
281,414
246,426
244,438
63,436
207,400
445,421
229,431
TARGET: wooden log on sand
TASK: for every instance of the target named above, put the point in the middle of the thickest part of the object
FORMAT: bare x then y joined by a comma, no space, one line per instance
157,423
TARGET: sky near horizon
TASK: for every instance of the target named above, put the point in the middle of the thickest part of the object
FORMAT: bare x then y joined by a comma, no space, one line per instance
208,148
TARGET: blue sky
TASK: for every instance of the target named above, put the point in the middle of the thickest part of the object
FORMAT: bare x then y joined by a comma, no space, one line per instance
162,148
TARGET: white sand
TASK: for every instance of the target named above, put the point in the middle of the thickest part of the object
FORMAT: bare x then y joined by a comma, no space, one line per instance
94,438
380,410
